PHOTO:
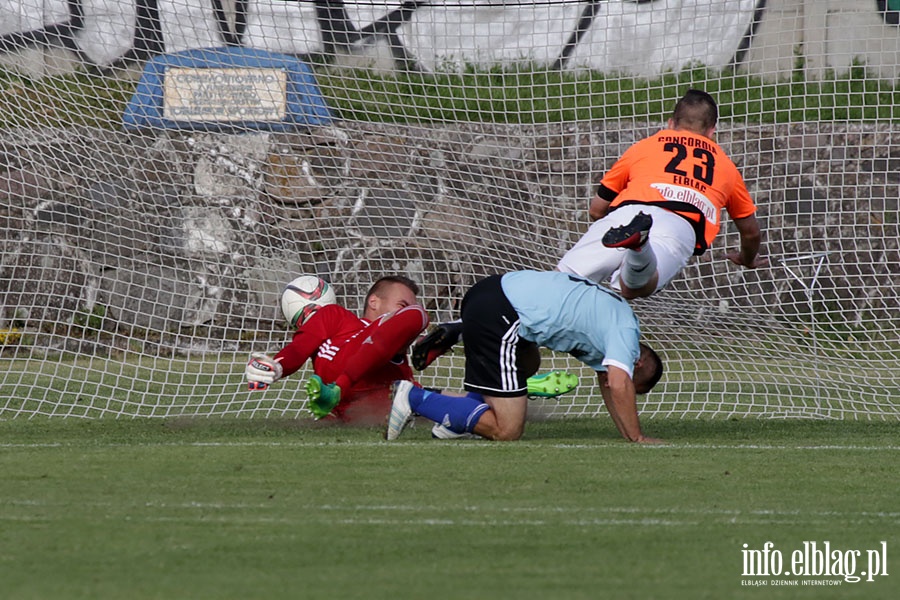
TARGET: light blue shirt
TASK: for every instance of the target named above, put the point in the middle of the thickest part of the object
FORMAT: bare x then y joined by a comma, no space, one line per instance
570,314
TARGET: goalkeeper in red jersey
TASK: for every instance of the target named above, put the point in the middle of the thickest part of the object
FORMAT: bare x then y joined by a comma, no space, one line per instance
355,359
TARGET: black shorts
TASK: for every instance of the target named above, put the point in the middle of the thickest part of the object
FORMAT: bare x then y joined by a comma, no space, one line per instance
492,344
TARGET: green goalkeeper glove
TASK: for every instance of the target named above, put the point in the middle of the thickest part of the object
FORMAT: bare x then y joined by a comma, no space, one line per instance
321,397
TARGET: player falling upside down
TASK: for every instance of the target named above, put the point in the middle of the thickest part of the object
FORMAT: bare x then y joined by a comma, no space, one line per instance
355,359
661,202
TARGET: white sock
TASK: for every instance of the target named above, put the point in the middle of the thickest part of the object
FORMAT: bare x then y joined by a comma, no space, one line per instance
638,267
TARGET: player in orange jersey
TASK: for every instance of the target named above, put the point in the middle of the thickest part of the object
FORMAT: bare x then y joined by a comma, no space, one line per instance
661,203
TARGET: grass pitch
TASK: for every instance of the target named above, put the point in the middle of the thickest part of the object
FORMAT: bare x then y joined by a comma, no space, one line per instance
269,509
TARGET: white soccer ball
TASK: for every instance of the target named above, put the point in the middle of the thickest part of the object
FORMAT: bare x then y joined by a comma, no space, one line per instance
304,296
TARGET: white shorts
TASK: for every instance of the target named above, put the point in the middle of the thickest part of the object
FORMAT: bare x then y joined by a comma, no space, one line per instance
672,239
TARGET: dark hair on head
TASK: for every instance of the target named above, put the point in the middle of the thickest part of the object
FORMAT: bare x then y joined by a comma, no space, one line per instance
657,364
696,111
387,280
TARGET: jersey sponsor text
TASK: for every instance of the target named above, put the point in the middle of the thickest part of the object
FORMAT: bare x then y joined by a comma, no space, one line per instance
679,193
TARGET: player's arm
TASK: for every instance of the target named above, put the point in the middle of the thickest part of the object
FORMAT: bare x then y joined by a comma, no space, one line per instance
600,202
748,256
263,370
612,183
619,395
304,344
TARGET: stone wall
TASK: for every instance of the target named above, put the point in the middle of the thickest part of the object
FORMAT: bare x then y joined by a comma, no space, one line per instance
186,236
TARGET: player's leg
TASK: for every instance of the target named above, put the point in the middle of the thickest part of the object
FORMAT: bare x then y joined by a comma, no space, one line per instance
637,276
498,365
387,337
458,414
438,342
444,336
383,342
673,241
498,361
589,258
505,421
667,250
498,418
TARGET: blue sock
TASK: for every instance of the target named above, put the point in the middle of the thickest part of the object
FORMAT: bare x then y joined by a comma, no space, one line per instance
459,414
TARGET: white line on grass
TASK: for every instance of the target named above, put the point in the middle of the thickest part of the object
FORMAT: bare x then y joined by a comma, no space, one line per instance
580,523
468,444
493,515
299,521
486,521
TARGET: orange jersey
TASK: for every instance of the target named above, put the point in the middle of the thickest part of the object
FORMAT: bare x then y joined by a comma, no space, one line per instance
686,173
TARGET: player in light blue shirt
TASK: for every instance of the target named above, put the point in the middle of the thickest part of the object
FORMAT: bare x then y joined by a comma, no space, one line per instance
505,320
597,329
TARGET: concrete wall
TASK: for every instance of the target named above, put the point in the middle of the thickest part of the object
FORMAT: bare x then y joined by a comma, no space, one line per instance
823,35
642,38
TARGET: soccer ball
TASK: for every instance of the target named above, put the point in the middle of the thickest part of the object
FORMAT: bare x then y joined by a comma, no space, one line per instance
303,296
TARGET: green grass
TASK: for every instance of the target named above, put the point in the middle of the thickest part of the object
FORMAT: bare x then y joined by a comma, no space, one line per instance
136,385
518,94
78,99
527,94
131,385
288,509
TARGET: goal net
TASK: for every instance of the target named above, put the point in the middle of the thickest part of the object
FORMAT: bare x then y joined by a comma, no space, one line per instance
168,167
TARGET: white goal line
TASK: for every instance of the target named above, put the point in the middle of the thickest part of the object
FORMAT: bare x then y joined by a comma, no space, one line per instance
471,445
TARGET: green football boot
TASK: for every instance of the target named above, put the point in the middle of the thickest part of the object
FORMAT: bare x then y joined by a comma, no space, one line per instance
321,397
552,384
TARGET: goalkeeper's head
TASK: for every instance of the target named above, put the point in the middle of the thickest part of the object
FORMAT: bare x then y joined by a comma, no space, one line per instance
388,294
648,370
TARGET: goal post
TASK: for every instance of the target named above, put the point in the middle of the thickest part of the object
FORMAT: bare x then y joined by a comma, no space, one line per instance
142,261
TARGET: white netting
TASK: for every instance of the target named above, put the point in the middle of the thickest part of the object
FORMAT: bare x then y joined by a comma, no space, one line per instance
143,253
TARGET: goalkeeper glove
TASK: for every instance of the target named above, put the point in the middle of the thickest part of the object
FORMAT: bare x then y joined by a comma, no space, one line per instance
262,371
321,397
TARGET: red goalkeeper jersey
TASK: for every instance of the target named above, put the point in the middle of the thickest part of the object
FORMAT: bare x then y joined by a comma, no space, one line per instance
332,338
